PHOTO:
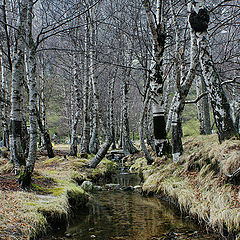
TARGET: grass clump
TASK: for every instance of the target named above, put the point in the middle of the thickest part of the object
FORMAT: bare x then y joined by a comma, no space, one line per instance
198,182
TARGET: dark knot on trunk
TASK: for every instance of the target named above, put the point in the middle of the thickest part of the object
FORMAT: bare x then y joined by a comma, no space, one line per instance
199,21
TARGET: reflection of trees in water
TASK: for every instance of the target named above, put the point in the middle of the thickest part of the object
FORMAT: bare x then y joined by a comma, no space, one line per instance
134,215
119,215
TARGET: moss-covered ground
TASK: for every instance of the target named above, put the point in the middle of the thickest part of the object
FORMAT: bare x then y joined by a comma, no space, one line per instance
54,195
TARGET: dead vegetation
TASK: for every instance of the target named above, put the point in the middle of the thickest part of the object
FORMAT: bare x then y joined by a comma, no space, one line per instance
53,197
198,182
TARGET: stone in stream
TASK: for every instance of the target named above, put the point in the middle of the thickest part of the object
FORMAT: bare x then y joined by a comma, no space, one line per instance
137,188
117,154
97,188
112,186
87,186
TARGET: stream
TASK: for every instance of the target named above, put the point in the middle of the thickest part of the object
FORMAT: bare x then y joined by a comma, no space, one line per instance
131,216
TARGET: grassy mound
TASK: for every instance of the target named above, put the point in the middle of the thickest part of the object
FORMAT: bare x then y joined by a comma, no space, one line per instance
198,182
53,197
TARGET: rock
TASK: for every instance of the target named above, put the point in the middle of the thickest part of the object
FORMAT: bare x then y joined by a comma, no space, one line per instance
112,186
87,186
137,188
97,188
68,235
129,188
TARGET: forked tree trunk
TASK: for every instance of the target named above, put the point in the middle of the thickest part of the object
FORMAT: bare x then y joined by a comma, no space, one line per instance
16,115
156,78
219,101
183,84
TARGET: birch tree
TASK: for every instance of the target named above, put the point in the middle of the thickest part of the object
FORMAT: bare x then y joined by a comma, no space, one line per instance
84,147
74,137
30,57
94,140
16,115
199,20
5,103
183,84
156,76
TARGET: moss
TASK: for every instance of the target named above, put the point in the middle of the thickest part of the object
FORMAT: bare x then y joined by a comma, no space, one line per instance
56,159
57,191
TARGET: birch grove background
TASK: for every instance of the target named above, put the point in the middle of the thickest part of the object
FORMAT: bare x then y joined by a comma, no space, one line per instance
104,74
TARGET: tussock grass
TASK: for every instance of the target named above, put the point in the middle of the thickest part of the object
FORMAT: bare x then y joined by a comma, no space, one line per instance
55,194
197,182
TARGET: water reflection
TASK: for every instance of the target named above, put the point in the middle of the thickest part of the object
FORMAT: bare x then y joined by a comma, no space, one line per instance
117,215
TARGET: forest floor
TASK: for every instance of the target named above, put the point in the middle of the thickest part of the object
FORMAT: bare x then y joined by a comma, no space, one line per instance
52,198
197,185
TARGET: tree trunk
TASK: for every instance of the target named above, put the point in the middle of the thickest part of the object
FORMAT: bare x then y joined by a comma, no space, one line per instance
84,148
128,147
183,84
219,101
111,114
156,78
4,106
74,137
206,111
200,112
25,179
46,136
94,141
141,128
16,115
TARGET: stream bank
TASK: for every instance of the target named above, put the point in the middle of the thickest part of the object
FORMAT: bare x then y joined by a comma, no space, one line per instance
198,183
53,199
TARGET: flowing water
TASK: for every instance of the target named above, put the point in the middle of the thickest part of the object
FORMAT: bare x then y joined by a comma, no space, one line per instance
130,216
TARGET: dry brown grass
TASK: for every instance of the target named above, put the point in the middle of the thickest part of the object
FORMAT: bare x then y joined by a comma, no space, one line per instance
197,181
54,193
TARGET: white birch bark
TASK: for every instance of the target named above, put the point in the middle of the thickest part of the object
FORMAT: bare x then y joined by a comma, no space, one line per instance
219,101
31,77
183,85
16,115
94,140
4,105
156,77
200,112
111,113
74,137
84,147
